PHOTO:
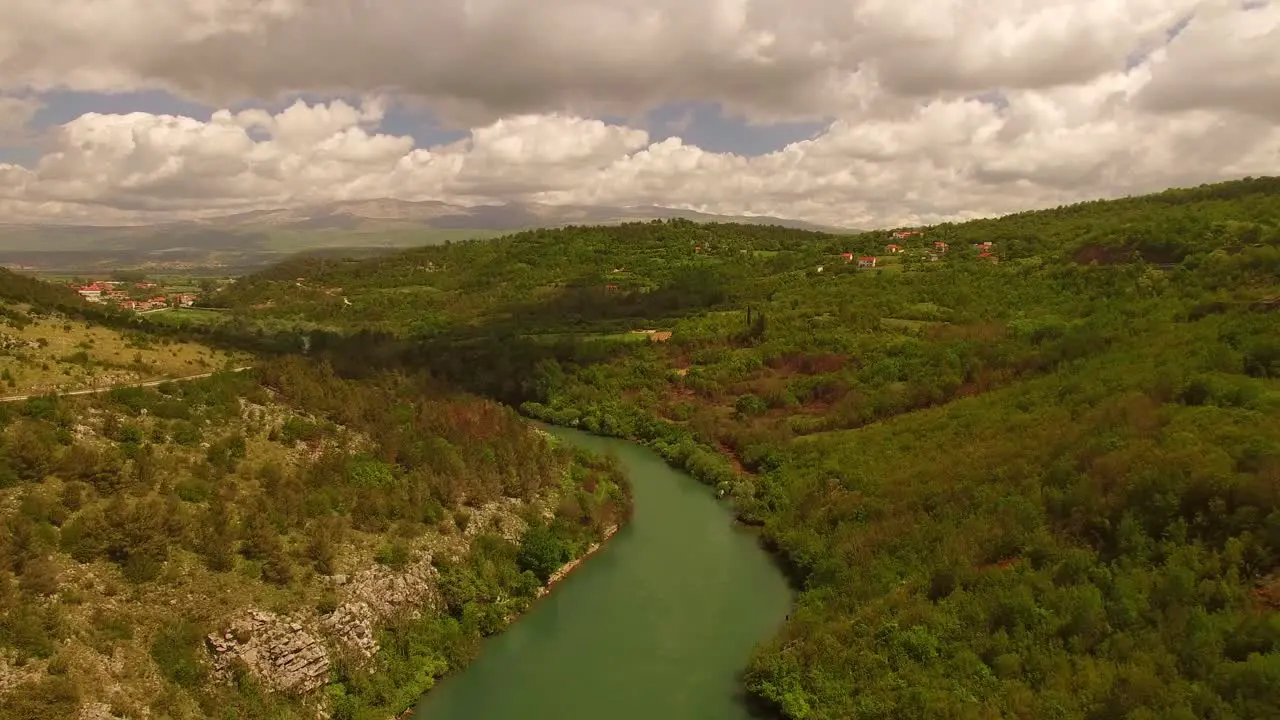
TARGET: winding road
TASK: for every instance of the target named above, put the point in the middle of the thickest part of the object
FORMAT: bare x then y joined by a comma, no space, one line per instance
146,383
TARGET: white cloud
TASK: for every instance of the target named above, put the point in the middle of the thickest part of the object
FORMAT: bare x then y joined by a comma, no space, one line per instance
909,142
481,59
1228,59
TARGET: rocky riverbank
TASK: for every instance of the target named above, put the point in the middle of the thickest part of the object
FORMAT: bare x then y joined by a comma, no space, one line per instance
572,565
292,653
552,580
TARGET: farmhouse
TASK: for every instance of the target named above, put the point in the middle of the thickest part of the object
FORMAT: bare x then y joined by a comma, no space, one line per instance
893,249
941,246
848,257
867,261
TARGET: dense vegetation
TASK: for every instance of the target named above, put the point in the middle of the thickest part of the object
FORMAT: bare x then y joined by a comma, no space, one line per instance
135,522
1047,487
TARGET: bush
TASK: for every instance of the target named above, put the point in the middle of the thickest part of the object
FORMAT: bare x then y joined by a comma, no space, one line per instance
54,697
177,651
751,405
394,555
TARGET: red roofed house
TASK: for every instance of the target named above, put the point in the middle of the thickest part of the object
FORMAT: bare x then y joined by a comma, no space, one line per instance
982,245
848,257
891,249
988,256
941,246
92,292
867,261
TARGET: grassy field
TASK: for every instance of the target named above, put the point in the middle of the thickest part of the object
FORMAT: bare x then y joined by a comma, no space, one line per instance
185,316
53,354
292,241
624,337
169,282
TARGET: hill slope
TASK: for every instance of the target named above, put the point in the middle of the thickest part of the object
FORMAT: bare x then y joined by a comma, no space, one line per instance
259,544
1036,484
52,341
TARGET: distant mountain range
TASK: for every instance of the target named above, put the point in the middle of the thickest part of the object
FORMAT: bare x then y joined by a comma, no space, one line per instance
398,214
252,239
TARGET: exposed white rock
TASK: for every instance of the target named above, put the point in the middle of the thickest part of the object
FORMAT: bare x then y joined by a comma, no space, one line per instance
281,652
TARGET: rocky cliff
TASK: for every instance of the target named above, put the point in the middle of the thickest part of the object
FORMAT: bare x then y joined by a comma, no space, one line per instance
293,653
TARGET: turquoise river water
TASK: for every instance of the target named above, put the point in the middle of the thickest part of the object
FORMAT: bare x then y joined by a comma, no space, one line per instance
658,625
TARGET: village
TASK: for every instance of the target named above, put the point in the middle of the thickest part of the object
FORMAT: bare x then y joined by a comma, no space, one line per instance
136,296
867,262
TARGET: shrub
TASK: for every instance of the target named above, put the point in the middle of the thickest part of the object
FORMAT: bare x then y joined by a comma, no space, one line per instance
176,650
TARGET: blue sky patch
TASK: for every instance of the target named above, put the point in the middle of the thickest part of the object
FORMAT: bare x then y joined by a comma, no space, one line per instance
704,124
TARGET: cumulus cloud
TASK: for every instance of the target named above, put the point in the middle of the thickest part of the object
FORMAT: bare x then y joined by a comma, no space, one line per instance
937,109
1227,58
478,60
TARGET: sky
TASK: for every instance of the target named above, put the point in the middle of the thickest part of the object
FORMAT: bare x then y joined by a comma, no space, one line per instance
858,113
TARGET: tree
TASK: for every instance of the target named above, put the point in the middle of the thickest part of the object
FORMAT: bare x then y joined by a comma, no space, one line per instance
28,448
40,577
541,552
323,537
218,545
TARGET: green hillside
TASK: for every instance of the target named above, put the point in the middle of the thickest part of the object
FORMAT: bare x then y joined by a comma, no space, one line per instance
1040,484
165,551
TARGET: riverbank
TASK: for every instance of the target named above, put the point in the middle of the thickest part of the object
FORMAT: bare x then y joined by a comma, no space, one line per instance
713,476
707,474
572,565
554,579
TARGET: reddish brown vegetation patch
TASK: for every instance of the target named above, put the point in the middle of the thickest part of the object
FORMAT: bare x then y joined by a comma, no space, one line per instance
1101,255
1004,564
1267,594
808,363
984,331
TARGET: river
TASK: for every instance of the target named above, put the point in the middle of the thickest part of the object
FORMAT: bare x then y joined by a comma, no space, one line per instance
656,626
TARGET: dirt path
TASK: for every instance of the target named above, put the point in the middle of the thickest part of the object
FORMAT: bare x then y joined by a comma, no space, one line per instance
94,391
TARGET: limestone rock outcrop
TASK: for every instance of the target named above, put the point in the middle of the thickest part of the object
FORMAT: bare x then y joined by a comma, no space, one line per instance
280,651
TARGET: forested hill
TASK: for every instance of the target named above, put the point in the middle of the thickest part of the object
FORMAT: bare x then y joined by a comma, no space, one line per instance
264,544
1036,479
602,273
434,289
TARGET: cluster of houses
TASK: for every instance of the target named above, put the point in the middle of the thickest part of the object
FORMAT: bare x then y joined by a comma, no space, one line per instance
984,250
939,248
115,293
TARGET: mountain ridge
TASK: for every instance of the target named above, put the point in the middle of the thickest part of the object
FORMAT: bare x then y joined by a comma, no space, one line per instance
255,238
430,213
